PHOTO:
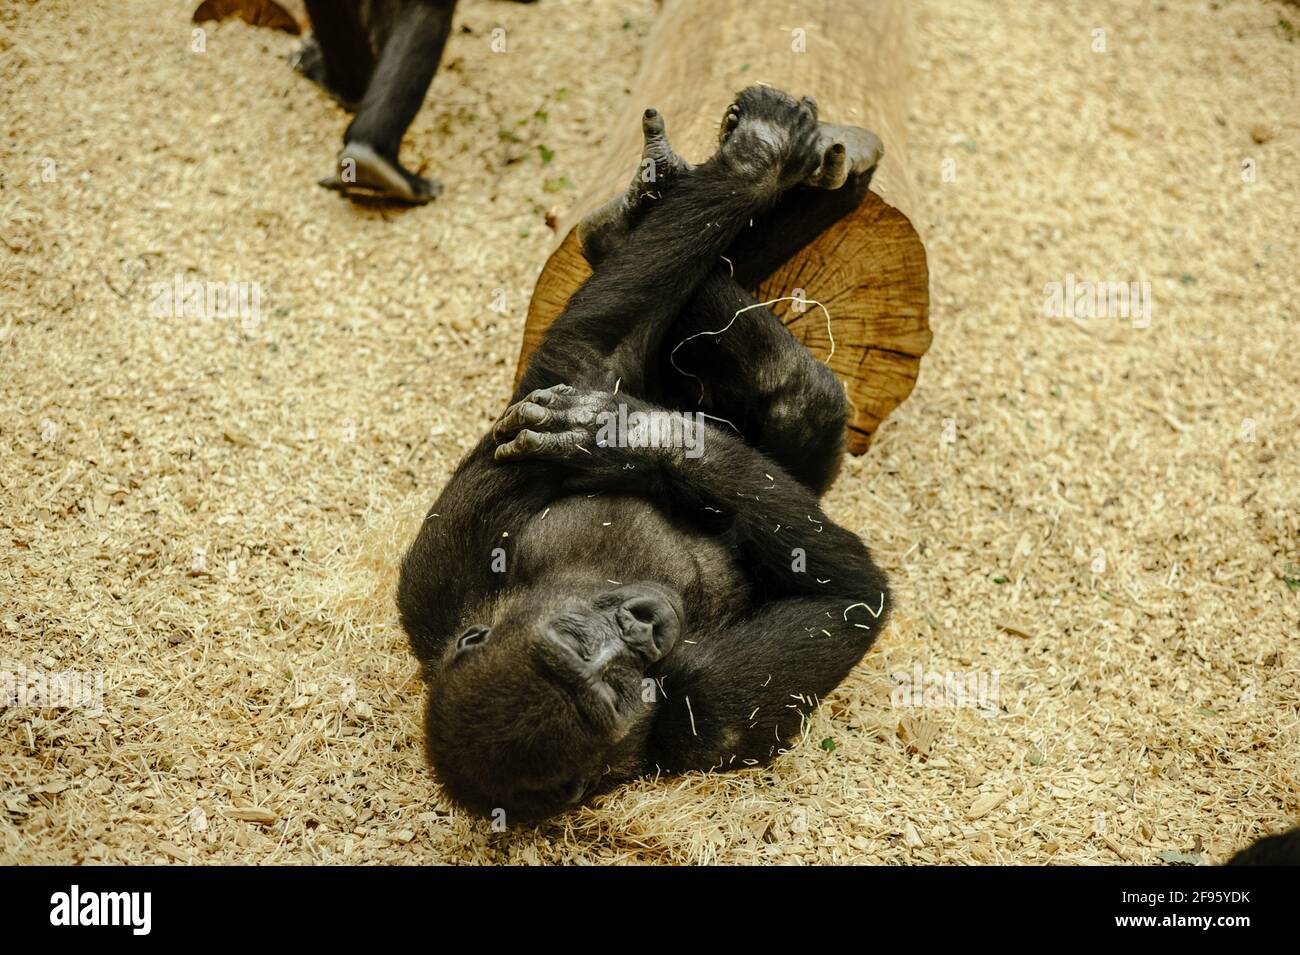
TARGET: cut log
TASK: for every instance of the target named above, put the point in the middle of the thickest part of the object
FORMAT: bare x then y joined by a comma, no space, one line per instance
869,268
258,13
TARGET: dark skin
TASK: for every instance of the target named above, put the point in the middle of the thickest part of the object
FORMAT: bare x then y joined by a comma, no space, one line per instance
587,614
377,58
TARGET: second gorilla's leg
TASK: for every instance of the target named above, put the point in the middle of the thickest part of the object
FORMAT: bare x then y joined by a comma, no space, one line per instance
605,229
337,56
368,164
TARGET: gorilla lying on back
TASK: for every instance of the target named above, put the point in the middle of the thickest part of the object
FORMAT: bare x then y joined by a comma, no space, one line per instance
586,610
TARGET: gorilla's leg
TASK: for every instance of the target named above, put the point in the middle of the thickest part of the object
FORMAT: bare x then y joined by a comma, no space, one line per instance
756,377
368,164
612,329
337,56
604,230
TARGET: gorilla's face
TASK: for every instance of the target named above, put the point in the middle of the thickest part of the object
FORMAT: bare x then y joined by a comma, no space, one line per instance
532,711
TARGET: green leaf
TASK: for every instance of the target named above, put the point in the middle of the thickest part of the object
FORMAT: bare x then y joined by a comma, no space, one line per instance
999,579
1174,857
828,744
1206,711
546,154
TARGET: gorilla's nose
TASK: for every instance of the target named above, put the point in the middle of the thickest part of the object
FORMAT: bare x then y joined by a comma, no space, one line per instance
650,621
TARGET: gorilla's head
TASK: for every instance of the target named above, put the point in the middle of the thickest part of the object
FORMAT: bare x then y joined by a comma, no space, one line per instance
535,708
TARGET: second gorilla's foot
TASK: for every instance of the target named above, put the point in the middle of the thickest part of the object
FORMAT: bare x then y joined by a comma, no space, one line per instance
362,173
861,150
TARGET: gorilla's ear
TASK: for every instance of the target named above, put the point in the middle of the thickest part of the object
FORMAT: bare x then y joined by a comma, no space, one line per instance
475,636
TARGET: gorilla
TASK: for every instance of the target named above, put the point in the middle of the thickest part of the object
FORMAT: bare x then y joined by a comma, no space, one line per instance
377,59
1281,848
590,604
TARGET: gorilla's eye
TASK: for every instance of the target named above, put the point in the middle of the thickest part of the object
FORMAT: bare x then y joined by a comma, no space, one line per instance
473,637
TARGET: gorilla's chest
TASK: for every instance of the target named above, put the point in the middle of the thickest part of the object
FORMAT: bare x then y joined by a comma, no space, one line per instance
626,539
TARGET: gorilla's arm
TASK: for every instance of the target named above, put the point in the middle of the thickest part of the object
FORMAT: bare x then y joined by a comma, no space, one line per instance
619,315
773,520
789,546
741,691
735,696
448,569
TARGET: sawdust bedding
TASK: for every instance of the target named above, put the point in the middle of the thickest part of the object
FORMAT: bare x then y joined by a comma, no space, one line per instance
1095,516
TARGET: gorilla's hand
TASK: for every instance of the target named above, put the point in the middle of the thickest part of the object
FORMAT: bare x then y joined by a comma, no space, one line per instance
551,424
606,439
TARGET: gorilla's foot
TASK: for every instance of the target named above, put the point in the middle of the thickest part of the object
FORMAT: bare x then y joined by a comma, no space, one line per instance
362,173
860,150
603,230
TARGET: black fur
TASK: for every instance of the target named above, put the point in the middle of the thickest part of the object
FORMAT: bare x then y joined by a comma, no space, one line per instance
1281,848
377,58
630,564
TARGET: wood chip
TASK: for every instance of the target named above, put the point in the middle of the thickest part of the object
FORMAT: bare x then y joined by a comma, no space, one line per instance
1016,628
918,734
986,803
911,837
262,817
180,855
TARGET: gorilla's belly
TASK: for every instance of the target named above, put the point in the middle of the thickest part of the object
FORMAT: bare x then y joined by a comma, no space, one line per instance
627,539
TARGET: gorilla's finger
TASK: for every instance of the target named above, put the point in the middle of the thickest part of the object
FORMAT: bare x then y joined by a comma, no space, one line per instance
547,396
551,447
523,415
